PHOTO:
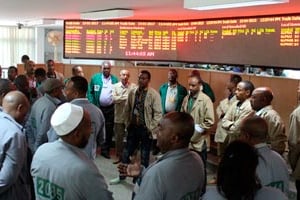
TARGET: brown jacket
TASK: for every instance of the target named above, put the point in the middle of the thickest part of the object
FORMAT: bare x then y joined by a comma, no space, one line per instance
224,105
152,108
120,95
294,142
232,120
276,128
203,114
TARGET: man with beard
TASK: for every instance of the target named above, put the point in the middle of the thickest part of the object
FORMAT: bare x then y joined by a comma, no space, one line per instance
236,113
38,122
75,91
142,114
120,95
52,73
179,172
61,170
29,68
200,107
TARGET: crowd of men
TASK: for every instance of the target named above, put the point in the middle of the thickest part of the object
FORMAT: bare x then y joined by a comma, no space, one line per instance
53,127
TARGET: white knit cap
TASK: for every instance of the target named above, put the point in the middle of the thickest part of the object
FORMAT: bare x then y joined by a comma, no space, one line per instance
66,118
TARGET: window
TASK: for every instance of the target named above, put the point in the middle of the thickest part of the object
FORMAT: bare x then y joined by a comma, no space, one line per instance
14,43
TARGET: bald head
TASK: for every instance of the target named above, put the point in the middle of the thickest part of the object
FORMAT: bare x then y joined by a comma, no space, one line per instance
261,97
266,92
77,71
254,129
124,71
175,131
16,105
106,67
183,125
124,76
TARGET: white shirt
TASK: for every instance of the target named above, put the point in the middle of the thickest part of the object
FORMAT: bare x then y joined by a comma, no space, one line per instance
105,98
171,98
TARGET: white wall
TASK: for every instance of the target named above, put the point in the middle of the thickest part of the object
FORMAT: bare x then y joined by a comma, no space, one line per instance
40,45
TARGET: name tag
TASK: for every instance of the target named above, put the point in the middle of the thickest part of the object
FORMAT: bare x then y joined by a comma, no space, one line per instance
49,190
171,99
277,184
96,88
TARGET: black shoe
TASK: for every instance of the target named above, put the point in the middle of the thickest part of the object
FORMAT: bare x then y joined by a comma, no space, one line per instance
105,155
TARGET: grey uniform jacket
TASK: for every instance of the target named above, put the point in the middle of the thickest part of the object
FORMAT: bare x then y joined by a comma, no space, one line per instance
68,172
98,127
272,169
14,169
38,122
178,174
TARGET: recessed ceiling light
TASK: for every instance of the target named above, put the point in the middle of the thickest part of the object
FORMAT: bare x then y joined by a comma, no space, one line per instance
107,14
221,4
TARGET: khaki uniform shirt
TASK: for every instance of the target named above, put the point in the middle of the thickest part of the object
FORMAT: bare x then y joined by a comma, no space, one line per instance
224,105
152,109
203,114
232,121
120,95
276,128
294,142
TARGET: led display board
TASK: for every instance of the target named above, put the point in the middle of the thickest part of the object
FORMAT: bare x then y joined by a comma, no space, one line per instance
272,41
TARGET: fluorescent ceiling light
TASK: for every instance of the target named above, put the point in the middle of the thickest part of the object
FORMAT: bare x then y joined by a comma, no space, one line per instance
107,14
7,23
220,4
43,22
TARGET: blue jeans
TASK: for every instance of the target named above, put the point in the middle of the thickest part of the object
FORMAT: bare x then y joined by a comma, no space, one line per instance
137,136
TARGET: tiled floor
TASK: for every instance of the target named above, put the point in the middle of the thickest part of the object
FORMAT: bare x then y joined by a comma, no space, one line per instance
123,191
109,171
